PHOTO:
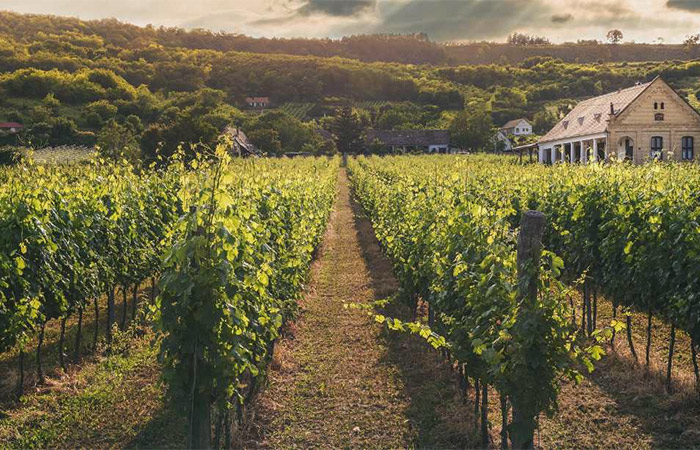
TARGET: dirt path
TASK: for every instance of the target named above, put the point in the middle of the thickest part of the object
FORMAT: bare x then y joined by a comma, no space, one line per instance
341,380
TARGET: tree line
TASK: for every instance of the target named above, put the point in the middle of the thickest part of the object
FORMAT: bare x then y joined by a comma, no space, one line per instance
76,82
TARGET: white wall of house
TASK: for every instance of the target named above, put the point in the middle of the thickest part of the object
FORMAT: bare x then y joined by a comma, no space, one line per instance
501,137
439,148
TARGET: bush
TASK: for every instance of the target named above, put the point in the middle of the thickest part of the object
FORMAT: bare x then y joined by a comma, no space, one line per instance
9,156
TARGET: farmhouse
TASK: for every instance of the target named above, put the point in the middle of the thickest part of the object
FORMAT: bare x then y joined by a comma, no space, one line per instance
10,127
402,141
517,127
642,122
512,128
258,102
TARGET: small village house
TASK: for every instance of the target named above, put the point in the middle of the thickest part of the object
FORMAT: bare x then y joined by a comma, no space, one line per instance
512,129
258,102
10,127
639,123
403,141
240,144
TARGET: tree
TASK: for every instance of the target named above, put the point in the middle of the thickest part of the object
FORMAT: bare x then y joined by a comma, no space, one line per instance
525,39
116,141
543,121
347,130
691,40
473,128
267,140
614,36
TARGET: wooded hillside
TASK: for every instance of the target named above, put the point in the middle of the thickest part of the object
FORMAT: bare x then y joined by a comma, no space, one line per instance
66,80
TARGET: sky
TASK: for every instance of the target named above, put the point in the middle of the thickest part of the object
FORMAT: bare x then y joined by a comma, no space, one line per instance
668,21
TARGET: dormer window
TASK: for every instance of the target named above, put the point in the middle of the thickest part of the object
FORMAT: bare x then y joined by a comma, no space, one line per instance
565,124
580,120
597,117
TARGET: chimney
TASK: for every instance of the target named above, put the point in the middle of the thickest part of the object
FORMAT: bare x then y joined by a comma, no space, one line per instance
612,109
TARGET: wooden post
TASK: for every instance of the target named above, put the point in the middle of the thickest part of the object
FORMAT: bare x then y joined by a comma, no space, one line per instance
529,251
199,436
522,429
345,159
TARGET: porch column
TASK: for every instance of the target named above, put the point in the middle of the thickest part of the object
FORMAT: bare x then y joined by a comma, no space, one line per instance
553,154
595,149
572,149
540,155
582,152
607,148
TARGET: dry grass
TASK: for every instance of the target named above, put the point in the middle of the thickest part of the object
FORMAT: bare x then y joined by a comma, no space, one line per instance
623,404
113,401
340,381
9,361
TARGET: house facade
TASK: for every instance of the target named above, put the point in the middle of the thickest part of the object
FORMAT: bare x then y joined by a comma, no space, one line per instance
258,102
403,141
637,124
517,127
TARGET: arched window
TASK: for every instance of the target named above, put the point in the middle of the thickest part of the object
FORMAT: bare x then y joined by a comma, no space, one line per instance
656,105
657,145
688,148
662,105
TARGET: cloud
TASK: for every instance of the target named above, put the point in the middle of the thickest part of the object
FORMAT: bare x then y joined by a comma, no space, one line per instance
461,19
342,8
559,20
685,5
562,18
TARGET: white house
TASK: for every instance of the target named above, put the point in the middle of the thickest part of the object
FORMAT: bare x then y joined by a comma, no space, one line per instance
258,102
516,127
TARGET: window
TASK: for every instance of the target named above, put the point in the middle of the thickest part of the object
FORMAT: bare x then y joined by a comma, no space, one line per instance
659,117
687,148
657,145
656,105
517,130
662,105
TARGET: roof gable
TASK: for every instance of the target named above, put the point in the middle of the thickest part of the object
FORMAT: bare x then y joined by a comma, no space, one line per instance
657,87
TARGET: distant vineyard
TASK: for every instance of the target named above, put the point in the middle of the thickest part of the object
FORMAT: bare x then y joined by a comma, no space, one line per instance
371,104
65,154
297,110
